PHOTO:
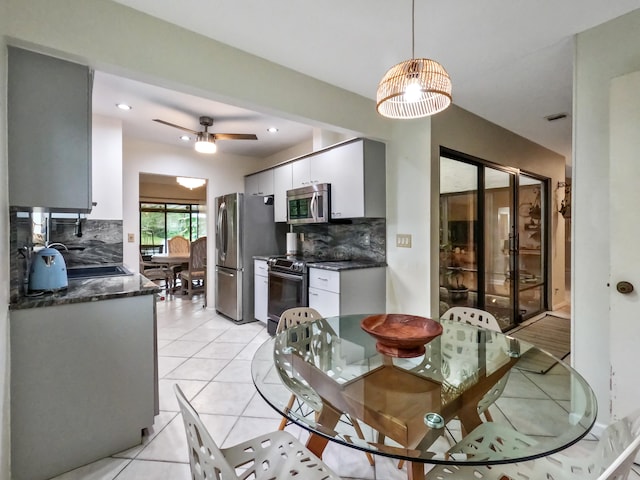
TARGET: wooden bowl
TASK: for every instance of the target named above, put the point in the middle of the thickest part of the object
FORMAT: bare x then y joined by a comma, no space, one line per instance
401,335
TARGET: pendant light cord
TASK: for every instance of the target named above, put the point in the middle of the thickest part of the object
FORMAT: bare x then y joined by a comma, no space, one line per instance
413,27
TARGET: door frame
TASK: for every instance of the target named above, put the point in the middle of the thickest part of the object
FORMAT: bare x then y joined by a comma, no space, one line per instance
480,214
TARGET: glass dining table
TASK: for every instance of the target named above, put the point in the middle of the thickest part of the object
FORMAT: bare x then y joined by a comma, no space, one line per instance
423,409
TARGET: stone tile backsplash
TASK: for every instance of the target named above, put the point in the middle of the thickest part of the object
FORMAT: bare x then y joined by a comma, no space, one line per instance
361,239
100,243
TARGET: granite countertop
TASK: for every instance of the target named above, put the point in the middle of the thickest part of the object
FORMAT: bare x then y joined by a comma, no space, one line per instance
91,290
346,264
335,265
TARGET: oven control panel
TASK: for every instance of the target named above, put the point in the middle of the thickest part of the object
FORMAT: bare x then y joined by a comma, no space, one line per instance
286,264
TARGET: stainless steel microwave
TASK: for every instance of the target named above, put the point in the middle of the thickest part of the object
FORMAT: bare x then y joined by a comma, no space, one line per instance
310,204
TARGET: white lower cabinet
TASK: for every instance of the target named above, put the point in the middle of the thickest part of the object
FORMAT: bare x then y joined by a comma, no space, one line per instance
260,290
343,292
327,303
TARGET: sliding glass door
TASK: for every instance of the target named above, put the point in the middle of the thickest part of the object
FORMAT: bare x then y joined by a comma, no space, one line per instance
492,231
532,245
499,245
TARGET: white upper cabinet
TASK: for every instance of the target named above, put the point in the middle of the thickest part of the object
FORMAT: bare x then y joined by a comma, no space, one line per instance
356,172
49,132
301,173
259,183
282,181
355,169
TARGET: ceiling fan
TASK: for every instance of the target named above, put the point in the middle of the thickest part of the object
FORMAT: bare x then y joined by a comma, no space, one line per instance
205,140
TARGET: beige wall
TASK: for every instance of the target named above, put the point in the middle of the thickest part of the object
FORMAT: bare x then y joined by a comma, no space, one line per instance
224,174
4,259
602,53
465,132
121,41
106,168
170,192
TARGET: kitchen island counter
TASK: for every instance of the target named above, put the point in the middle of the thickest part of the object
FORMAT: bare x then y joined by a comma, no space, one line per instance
90,290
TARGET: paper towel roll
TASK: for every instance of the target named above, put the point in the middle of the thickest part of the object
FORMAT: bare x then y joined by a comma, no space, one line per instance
292,243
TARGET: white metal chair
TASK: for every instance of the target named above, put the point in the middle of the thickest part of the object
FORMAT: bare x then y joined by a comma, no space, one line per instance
482,319
297,316
473,316
277,455
611,459
478,318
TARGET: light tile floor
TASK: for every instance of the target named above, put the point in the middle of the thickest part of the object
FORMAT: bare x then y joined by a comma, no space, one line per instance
210,358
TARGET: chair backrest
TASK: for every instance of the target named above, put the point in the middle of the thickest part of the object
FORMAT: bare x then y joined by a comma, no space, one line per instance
296,316
206,460
198,254
617,448
473,316
178,244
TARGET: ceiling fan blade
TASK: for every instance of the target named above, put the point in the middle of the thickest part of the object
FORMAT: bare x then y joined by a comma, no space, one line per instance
235,136
176,126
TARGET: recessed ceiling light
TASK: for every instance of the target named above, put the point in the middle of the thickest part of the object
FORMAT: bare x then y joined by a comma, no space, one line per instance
272,130
185,138
123,106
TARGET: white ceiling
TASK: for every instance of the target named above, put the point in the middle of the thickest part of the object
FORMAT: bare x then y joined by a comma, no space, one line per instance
149,102
510,60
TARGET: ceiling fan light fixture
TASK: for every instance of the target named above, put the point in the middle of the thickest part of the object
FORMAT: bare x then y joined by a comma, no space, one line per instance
205,143
415,88
190,182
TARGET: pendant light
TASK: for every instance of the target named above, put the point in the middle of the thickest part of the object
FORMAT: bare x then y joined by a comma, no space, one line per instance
414,88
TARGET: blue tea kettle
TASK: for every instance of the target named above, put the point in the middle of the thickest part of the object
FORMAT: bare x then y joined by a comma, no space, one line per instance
48,272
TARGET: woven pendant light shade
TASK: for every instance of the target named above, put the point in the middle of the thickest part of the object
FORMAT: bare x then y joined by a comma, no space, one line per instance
414,88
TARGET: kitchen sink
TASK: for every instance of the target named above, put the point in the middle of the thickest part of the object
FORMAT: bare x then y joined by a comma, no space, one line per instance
94,271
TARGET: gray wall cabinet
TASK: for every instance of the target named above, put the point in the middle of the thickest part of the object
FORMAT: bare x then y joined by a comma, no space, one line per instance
49,132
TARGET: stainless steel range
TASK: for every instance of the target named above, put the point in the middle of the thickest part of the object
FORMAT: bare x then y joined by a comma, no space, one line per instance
288,287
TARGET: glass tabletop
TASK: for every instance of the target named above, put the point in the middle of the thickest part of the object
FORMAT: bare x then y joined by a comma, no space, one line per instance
429,408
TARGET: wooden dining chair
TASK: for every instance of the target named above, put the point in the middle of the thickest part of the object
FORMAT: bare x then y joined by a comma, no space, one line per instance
193,279
156,271
291,318
177,245
611,459
269,456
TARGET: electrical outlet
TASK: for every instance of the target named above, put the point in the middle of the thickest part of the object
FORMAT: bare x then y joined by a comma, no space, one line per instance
403,240
131,237
366,240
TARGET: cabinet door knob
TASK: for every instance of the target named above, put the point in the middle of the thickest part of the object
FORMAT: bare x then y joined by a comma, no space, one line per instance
624,287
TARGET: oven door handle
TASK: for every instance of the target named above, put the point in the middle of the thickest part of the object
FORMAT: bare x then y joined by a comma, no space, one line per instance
288,276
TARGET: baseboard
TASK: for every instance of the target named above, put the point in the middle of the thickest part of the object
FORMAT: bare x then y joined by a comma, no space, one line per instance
562,304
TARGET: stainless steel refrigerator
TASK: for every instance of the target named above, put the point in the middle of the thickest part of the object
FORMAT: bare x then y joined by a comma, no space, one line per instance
245,227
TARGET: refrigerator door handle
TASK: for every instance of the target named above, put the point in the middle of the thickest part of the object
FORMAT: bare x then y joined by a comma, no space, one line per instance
222,272
222,232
